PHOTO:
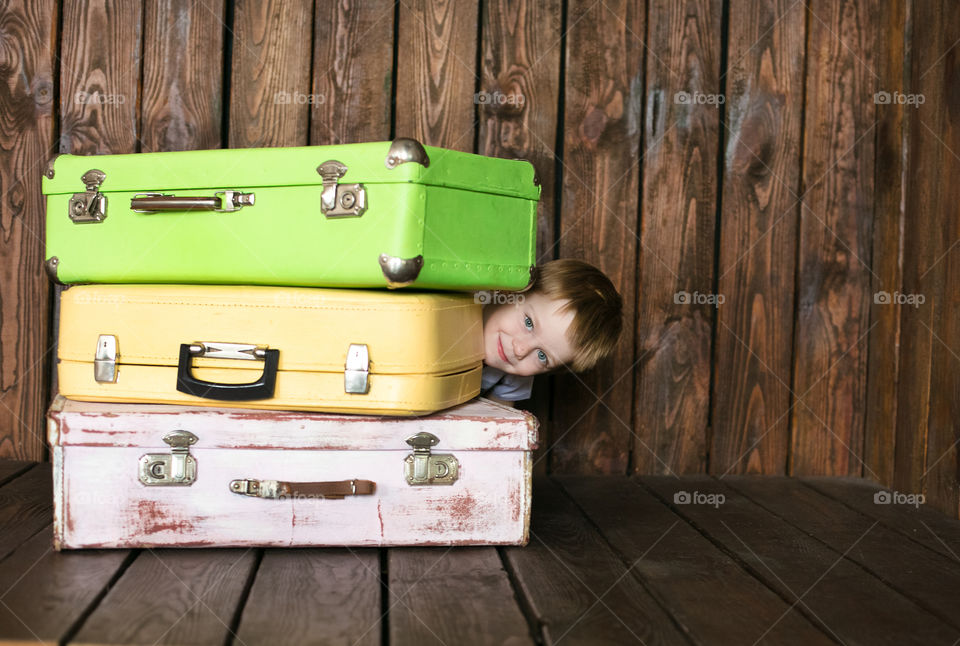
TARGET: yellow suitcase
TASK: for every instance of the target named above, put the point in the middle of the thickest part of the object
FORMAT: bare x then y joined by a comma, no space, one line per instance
292,348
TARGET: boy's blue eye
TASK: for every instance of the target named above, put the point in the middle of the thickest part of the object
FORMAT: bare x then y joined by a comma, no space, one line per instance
541,355
528,322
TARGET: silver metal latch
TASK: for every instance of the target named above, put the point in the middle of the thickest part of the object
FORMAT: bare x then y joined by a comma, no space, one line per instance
92,205
357,370
340,200
424,468
177,468
105,360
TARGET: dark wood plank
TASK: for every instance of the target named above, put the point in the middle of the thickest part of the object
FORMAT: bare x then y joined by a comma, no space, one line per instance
518,119
26,507
10,469
100,76
519,93
706,591
436,72
679,208
271,54
182,75
758,238
45,592
921,523
942,469
928,579
452,596
835,239
26,143
845,601
576,587
922,245
198,592
889,220
598,222
329,596
352,72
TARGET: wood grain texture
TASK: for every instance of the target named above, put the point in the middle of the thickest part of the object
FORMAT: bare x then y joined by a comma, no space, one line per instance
592,432
436,72
833,303
26,507
100,76
942,468
518,119
182,75
568,566
758,238
922,247
679,203
444,596
884,337
46,592
706,592
27,30
270,79
200,591
920,523
915,575
801,569
352,72
318,596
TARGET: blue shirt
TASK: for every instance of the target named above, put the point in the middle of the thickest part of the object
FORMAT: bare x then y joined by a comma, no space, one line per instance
503,385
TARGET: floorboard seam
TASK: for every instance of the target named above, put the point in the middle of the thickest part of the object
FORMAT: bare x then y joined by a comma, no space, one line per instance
857,564
534,623
234,626
16,474
95,602
746,567
626,562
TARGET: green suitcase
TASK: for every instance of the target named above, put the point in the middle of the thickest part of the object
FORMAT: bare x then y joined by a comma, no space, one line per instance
356,215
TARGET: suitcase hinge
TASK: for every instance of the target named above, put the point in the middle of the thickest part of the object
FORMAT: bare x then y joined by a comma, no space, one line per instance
424,468
357,370
177,468
340,200
92,205
105,360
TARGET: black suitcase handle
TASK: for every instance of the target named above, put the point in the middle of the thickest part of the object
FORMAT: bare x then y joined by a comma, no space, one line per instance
260,389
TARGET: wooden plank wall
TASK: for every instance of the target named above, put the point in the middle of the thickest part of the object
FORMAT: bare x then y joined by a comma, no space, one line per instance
768,184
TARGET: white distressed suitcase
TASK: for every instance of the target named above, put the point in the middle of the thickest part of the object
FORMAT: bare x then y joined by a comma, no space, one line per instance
146,475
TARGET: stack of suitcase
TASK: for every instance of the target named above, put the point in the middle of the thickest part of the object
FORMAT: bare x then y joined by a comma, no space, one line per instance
277,347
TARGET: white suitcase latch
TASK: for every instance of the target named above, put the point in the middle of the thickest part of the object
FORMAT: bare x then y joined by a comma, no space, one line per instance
340,200
105,360
424,468
177,468
356,370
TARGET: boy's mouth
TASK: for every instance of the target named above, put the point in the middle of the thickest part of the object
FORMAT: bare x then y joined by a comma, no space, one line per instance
503,355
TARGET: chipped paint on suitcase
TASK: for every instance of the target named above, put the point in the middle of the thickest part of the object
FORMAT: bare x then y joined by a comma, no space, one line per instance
332,350
101,501
357,215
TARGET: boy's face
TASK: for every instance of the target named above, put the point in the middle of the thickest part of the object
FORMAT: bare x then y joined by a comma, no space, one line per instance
527,338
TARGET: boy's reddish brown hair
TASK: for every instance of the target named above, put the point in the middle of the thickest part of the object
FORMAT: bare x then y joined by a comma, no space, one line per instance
597,308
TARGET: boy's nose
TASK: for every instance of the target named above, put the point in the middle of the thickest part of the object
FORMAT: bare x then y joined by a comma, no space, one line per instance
519,349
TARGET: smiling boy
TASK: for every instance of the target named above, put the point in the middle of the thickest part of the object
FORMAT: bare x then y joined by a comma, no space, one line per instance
572,317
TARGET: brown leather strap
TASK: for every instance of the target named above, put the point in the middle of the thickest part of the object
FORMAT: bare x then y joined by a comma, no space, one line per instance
333,490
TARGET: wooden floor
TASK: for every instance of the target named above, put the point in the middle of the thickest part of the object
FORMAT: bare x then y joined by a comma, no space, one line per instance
610,561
